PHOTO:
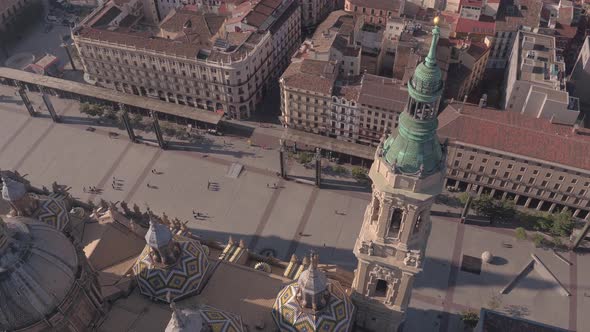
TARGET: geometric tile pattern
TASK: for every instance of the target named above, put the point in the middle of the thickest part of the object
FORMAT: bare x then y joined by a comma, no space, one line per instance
221,321
179,280
336,316
53,211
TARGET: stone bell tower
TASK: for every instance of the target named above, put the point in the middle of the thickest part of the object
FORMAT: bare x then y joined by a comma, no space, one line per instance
407,174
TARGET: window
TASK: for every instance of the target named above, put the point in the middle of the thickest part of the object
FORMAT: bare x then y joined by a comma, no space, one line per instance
459,155
481,168
514,186
561,178
381,287
497,163
522,169
569,189
548,175
469,166
484,160
494,171
471,157
574,180
519,177
535,172
543,184
510,166
556,186
456,163
552,195
582,192
506,174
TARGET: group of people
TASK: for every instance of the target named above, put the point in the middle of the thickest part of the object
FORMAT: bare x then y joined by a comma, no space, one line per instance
91,189
117,184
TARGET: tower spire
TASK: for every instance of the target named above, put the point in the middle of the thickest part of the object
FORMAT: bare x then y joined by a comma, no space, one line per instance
431,58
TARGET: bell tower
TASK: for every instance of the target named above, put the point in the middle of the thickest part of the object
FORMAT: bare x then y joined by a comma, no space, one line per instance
407,174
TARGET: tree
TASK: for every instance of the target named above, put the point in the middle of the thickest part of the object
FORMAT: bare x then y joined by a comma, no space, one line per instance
359,173
520,233
305,157
463,197
470,318
538,240
563,224
485,205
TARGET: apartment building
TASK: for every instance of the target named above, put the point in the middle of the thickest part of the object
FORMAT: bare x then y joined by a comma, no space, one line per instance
9,10
474,9
508,155
535,83
207,61
375,11
315,98
313,12
513,15
468,63
579,80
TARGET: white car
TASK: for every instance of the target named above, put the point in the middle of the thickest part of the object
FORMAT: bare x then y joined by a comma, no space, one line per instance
52,19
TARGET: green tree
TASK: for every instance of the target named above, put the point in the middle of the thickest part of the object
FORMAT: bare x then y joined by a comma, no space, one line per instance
359,173
563,224
520,233
470,318
463,197
304,157
485,205
538,240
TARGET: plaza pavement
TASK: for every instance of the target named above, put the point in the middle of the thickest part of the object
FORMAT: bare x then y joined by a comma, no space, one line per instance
292,218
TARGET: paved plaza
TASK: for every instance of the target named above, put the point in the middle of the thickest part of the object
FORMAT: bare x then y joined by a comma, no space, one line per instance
293,217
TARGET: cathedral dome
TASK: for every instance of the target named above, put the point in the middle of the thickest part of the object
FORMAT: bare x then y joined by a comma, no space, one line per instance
313,303
170,267
38,268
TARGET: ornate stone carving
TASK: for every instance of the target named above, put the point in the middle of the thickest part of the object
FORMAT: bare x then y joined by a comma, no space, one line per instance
413,258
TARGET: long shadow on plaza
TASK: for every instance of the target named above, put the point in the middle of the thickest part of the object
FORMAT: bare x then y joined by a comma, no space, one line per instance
334,184
273,244
436,274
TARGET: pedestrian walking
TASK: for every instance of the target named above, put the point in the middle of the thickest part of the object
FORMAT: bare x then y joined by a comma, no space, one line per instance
84,189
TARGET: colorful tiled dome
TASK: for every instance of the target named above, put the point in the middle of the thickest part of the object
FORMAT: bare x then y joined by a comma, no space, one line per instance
172,268
313,303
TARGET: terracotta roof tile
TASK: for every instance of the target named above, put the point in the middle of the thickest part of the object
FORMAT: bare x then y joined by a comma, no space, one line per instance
516,133
465,25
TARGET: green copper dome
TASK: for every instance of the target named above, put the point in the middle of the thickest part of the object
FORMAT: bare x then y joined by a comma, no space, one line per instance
416,149
426,84
415,146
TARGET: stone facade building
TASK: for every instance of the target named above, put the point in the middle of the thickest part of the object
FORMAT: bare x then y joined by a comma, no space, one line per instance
375,11
9,10
407,174
355,109
469,62
206,61
535,83
313,12
508,155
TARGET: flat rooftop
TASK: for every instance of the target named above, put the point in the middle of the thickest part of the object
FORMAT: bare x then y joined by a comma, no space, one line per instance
539,61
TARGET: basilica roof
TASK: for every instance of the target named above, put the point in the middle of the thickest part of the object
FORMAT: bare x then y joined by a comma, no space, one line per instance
12,190
38,267
174,281
313,303
204,318
53,211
